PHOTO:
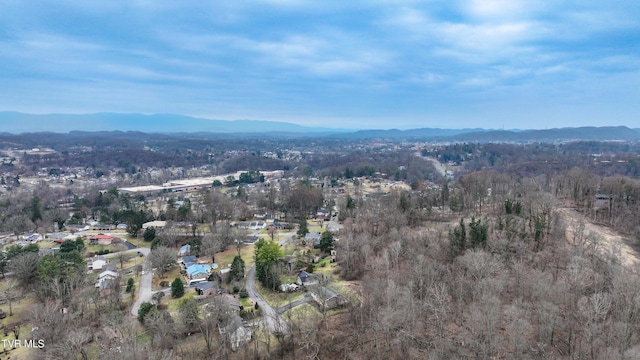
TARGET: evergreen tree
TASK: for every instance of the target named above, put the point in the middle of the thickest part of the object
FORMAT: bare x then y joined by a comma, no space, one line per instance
303,226
129,287
149,234
237,268
177,288
478,233
326,242
144,310
458,239
79,244
67,246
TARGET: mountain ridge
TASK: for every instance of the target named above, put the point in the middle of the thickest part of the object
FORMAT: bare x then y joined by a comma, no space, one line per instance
17,123
82,124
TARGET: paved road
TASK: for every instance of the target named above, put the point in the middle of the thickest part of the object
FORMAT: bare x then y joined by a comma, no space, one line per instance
437,164
274,321
333,225
144,289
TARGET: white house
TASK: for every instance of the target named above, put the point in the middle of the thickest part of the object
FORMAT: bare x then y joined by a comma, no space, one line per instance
155,224
105,278
97,262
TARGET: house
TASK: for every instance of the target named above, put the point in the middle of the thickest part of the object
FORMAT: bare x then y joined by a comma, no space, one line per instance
99,226
288,287
603,201
77,228
184,250
327,298
188,260
43,252
250,239
97,262
323,214
312,238
31,237
306,279
198,272
281,225
60,237
239,334
207,288
101,239
105,278
154,224
182,225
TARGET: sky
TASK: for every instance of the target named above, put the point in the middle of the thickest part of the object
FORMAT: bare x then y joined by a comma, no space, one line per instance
512,64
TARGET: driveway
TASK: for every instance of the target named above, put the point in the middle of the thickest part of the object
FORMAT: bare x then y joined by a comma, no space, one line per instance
273,320
288,237
144,289
293,304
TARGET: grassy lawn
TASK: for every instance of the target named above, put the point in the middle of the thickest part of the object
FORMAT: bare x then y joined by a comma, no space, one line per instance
306,312
289,249
111,248
173,305
139,242
169,276
246,302
225,258
47,244
325,266
21,311
315,228
131,260
288,279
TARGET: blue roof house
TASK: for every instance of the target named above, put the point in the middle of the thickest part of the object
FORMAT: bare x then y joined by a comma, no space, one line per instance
188,261
198,272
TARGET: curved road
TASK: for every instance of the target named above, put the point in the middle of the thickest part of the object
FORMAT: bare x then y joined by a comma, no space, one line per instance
273,320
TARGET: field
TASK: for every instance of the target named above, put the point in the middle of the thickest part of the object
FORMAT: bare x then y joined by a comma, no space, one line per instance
225,258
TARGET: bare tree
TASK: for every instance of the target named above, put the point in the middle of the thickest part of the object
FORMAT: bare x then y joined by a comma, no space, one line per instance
10,293
162,328
24,267
162,258
76,342
438,304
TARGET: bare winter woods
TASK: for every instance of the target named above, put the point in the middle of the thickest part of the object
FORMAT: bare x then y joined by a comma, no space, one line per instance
496,278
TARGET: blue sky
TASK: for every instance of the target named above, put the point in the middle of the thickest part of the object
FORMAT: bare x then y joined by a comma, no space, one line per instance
349,64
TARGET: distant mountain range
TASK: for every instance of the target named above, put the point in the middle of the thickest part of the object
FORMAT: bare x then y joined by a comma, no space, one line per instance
602,133
17,123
